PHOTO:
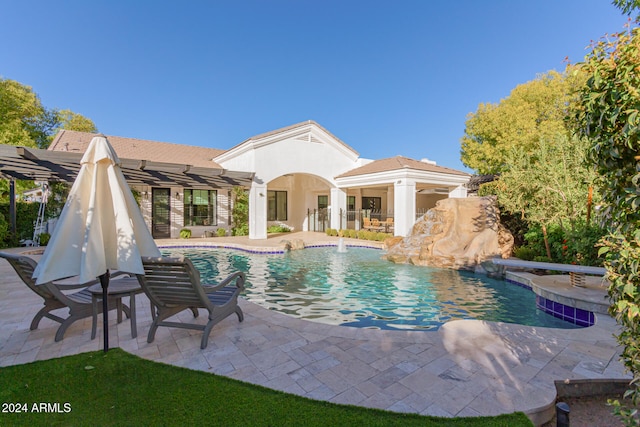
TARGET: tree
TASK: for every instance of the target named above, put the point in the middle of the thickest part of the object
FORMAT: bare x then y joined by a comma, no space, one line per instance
609,115
26,122
549,186
627,6
533,112
74,121
23,119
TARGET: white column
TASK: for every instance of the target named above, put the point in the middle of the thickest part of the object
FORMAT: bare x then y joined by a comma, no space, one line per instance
338,203
404,206
390,199
358,194
258,211
460,192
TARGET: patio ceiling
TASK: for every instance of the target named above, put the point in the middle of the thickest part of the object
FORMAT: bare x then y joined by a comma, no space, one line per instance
43,165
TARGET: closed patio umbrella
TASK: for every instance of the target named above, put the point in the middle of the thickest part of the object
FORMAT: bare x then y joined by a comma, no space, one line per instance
100,228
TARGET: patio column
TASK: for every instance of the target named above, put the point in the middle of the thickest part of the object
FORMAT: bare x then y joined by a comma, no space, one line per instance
258,211
404,206
338,203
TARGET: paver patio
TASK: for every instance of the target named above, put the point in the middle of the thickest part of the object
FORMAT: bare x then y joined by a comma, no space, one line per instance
466,368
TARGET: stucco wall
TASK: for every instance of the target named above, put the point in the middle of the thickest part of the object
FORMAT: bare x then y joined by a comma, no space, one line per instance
308,151
425,202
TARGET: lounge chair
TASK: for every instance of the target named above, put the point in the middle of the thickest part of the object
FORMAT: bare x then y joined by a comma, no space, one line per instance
376,225
58,295
173,285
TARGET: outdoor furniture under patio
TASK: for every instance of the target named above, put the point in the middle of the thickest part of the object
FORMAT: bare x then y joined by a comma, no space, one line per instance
117,289
372,224
173,285
58,295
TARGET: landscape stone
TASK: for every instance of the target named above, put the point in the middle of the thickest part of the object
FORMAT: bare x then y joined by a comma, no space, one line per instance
456,233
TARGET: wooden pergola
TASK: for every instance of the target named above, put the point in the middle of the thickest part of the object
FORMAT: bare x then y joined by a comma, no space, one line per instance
32,164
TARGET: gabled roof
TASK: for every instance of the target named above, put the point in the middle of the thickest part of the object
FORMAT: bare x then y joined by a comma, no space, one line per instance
399,163
286,129
132,148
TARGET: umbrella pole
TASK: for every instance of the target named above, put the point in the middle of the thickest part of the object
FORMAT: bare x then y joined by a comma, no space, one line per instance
104,281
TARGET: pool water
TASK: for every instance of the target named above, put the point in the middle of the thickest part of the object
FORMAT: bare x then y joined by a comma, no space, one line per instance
357,288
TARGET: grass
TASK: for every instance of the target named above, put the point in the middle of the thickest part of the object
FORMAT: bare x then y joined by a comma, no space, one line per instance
118,388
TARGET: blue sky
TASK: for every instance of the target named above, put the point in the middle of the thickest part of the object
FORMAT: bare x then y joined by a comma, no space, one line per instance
386,77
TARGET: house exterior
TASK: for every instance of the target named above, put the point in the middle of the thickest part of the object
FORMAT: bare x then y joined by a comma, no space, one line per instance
303,176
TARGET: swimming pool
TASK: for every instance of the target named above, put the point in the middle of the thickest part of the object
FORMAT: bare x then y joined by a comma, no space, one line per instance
357,288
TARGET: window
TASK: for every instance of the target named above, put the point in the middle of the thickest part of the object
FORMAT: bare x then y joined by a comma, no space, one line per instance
200,207
373,203
276,205
351,208
372,206
323,202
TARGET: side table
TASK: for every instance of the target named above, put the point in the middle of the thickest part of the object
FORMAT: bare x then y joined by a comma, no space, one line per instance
117,289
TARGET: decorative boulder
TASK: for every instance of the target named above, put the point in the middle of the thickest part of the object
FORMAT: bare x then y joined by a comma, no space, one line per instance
456,233
293,244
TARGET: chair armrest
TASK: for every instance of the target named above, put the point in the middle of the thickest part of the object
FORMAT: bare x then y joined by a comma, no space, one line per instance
119,273
60,284
70,285
238,276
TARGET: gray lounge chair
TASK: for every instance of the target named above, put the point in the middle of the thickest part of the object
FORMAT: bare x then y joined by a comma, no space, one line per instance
58,295
173,285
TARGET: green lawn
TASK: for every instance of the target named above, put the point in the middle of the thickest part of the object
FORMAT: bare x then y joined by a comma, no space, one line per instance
120,389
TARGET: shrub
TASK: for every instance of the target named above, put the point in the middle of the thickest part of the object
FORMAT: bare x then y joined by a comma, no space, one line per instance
278,229
44,238
5,240
240,212
575,245
524,253
185,233
26,216
352,234
241,230
221,232
381,237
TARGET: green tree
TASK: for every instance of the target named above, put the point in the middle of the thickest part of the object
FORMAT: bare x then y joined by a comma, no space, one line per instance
610,119
627,6
23,119
548,186
74,121
26,122
533,112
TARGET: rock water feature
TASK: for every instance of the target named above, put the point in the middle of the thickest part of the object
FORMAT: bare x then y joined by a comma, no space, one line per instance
456,233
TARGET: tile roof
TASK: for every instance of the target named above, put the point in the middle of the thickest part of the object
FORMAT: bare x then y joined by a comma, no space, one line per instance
141,149
399,162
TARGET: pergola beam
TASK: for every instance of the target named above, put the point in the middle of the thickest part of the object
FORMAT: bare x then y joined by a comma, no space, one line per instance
43,165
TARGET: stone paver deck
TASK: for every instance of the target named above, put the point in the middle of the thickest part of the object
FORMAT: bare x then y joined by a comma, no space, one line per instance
466,368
